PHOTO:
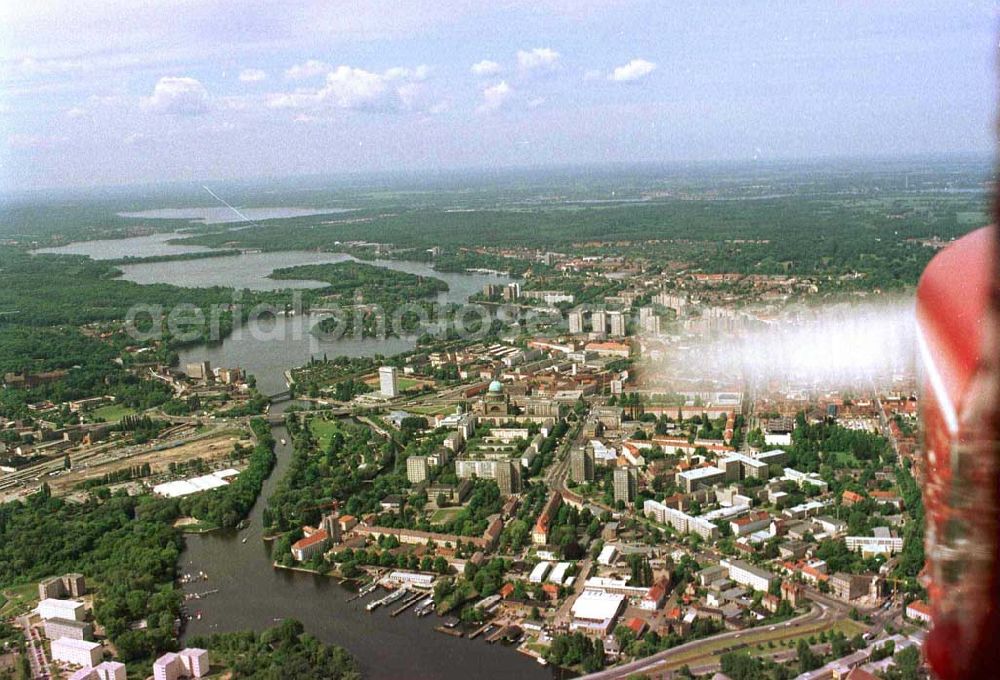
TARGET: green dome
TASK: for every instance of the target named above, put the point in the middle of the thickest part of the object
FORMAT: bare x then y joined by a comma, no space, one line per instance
496,387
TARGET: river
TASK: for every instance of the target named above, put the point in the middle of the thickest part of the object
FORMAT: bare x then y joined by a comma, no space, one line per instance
249,592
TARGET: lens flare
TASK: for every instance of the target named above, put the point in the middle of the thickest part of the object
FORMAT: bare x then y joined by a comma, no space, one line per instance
843,346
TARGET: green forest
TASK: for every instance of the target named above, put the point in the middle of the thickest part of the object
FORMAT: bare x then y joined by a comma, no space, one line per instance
284,651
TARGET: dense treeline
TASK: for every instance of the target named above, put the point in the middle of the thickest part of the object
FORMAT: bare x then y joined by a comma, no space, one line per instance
346,468
125,545
90,367
284,651
226,506
373,284
833,234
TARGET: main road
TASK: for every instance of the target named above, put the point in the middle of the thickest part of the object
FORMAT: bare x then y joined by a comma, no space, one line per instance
652,664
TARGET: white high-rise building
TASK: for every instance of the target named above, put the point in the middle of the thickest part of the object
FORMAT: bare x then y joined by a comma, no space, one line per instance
599,321
576,322
617,320
388,381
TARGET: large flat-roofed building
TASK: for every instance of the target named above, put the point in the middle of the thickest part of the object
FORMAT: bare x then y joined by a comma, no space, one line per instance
538,573
76,652
507,474
67,628
388,381
748,575
680,520
72,610
883,542
691,480
595,612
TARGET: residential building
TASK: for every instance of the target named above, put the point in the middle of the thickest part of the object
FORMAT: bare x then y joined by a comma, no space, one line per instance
748,575
388,381
598,321
755,521
576,322
883,542
67,628
69,585
849,587
581,465
76,652
540,532
416,469
72,610
111,670
508,477
617,321
188,663
919,610
625,484
691,480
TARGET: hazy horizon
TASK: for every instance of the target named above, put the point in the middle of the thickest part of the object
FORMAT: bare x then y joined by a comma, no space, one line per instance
112,94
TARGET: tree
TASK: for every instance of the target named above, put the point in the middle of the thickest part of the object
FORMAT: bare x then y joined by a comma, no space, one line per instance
808,661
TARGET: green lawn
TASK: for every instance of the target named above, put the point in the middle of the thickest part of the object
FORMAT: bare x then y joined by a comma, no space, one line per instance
18,599
323,430
444,515
111,413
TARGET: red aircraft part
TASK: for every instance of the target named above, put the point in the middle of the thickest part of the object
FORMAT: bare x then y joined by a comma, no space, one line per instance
956,303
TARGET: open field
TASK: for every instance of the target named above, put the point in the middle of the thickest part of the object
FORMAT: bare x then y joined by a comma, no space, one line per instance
18,599
403,383
111,413
323,430
210,448
444,515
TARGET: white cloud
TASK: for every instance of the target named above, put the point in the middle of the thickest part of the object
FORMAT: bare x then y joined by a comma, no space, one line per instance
177,96
538,58
252,75
495,96
135,138
346,87
308,69
634,70
76,112
486,68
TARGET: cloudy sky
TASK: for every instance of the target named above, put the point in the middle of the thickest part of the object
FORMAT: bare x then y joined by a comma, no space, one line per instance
119,91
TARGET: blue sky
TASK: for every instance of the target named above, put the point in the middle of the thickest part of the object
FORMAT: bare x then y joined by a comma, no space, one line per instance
118,91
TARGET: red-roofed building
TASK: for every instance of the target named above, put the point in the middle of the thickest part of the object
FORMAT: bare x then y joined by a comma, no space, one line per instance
850,498
656,595
637,626
551,590
507,590
315,543
540,533
919,610
791,592
859,674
